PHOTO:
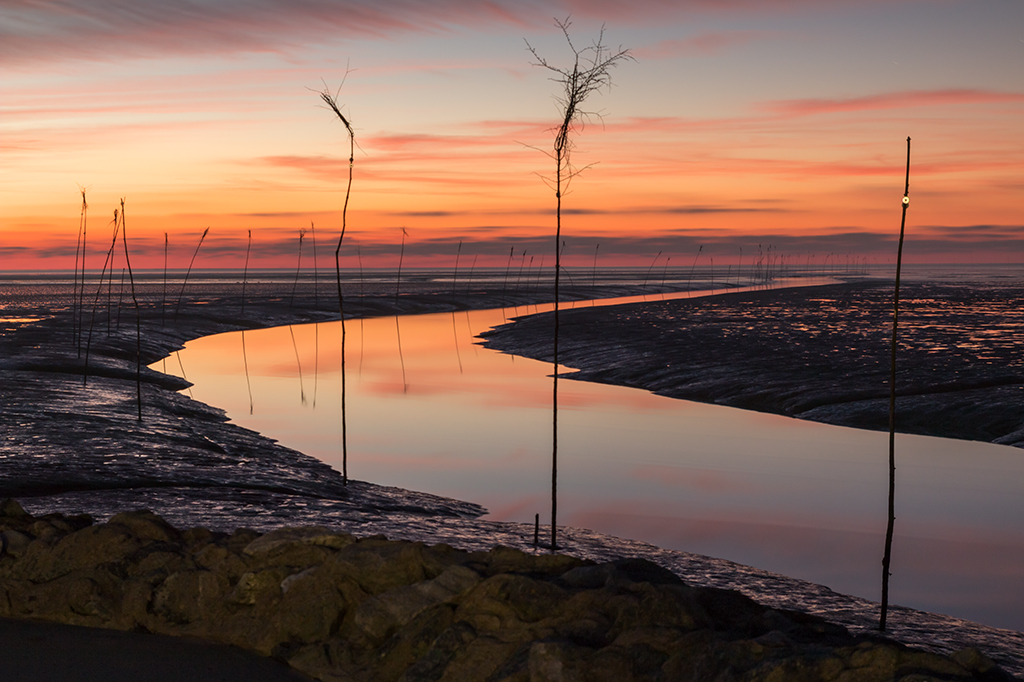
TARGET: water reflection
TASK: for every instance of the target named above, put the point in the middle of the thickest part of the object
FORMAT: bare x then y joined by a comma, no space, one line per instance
799,498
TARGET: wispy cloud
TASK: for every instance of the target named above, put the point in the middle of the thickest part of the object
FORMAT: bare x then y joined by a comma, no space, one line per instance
700,45
108,30
633,210
890,100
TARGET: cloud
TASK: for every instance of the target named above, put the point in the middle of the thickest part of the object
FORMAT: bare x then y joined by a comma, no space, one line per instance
109,30
891,100
106,29
700,45
627,211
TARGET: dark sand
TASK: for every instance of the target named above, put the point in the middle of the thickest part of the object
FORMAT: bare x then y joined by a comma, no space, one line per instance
73,448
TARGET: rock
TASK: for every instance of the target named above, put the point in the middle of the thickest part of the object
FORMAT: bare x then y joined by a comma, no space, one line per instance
973,660
146,525
378,617
254,587
220,560
10,509
92,546
14,543
191,597
338,608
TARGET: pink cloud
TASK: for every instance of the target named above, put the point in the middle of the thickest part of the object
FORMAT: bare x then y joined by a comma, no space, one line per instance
891,100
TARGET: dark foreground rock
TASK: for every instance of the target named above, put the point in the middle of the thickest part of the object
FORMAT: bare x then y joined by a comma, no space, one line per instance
339,607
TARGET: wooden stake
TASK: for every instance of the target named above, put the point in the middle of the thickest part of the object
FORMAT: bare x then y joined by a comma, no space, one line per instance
887,558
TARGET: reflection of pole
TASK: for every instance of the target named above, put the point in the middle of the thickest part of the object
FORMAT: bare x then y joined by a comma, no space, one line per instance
177,354
887,558
245,363
298,363
316,359
455,335
401,358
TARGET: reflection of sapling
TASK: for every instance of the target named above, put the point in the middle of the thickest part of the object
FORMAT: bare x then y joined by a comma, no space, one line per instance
590,72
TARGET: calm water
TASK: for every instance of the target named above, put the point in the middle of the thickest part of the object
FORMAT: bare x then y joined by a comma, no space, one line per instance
430,410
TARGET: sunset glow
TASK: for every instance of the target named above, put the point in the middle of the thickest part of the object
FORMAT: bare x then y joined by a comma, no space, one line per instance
777,123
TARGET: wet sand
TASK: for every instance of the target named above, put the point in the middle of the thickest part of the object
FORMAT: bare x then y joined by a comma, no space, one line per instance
75,448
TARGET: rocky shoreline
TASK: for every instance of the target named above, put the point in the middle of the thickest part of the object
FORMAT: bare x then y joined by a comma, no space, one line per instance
337,607
70,448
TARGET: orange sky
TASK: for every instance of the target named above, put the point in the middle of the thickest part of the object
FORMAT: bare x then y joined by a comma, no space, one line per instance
777,123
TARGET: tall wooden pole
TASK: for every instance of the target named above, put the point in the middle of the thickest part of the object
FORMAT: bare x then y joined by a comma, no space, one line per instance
887,558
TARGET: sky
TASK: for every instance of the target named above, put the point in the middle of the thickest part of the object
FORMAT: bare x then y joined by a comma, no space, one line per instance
739,125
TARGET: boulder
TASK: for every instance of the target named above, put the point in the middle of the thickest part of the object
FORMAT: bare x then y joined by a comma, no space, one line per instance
341,608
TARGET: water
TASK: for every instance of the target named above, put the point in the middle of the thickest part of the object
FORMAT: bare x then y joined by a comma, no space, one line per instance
429,409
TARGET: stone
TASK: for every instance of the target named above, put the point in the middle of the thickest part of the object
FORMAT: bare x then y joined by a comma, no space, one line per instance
220,560
510,601
191,596
253,587
379,616
92,546
339,608
310,535
14,543
146,525
11,509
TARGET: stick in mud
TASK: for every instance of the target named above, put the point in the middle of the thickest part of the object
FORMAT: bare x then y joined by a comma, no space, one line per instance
184,282
401,257
887,557
455,275
519,277
96,300
76,312
163,301
690,277
120,297
508,266
469,281
138,312
316,278
298,267
245,277
648,274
